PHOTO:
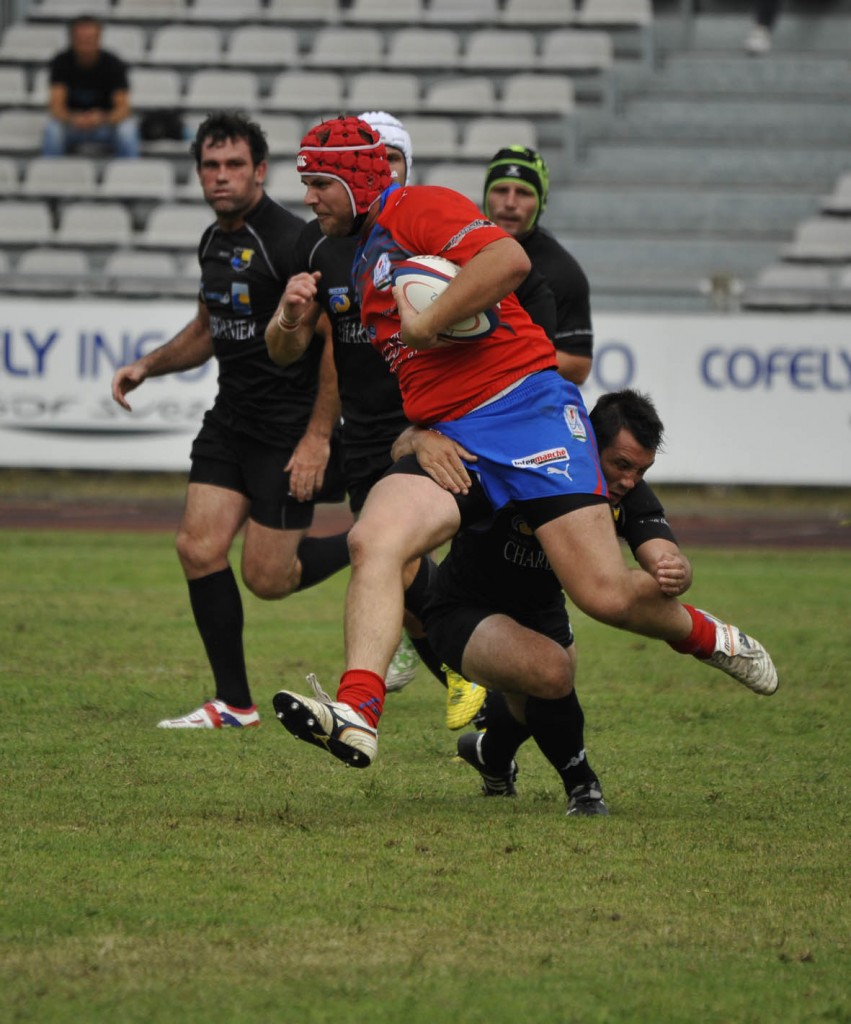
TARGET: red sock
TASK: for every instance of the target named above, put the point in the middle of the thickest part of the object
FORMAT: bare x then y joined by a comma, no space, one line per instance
364,691
701,640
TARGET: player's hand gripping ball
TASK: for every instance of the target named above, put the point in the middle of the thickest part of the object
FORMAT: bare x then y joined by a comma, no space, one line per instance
423,278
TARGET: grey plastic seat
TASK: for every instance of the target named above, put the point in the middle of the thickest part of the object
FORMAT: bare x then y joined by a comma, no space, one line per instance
475,93
9,182
304,11
262,46
283,134
54,9
94,224
26,223
345,48
499,50
21,131
174,226
438,48
48,270
58,176
461,12
484,136
434,137
532,94
208,90
306,91
821,238
131,272
283,183
384,12
14,91
463,178
839,201
127,41
146,178
24,42
372,90
226,10
185,45
787,286
150,10
153,88
537,12
575,50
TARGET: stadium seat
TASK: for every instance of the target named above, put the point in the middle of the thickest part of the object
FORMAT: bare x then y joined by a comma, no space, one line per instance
150,10
532,94
174,226
226,10
434,138
185,45
8,177
576,50
629,13
283,183
307,11
825,239
483,136
384,12
437,48
462,12
841,298
463,178
345,48
38,95
94,224
60,176
14,91
21,131
26,223
473,94
146,178
373,90
786,286
499,50
839,201
51,270
127,41
283,134
262,46
25,43
130,272
155,88
537,12
210,90
306,91
62,9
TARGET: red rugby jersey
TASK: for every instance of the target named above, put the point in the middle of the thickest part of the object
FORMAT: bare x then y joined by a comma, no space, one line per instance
445,383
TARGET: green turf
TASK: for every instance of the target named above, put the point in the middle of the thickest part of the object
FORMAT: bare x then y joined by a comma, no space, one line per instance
225,877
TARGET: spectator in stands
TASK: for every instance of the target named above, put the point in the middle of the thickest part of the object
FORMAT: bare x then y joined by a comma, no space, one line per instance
765,15
89,96
516,189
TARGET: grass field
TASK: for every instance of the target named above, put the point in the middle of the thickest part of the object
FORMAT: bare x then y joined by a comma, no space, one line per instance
227,877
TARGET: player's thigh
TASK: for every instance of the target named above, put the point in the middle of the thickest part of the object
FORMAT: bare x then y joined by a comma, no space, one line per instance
586,556
404,515
212,517
270,558
504,655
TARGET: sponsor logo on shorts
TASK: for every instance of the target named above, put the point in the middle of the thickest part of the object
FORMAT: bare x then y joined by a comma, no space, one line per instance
241,259
541,458
574,423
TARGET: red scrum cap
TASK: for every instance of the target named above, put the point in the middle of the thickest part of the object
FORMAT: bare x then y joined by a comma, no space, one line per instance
348,149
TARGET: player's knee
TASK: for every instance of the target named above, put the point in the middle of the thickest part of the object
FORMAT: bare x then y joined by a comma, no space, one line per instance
198,554
271,586
555,676
372,540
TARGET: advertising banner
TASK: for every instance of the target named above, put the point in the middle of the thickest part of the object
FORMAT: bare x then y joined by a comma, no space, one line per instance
745,398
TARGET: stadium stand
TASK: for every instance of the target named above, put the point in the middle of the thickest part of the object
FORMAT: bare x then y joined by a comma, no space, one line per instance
676,160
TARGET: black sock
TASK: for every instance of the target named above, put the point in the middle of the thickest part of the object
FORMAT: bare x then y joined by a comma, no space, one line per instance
429,658
321,557
503,734
418,589
217,607
558,727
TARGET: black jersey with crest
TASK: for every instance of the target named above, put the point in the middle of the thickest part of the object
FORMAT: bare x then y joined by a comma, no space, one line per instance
501,565
369,392
243,274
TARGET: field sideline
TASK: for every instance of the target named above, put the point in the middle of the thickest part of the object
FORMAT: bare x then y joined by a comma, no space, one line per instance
155,876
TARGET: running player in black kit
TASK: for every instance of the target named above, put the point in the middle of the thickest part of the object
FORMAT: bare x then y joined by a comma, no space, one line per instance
516,189
498,614
261,455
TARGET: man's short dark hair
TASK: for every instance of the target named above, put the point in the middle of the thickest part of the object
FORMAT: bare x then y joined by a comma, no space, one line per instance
83,19
227,125
627,410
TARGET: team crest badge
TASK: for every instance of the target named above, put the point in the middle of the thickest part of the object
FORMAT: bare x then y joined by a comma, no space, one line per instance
574,423
240,298
339,301
241,259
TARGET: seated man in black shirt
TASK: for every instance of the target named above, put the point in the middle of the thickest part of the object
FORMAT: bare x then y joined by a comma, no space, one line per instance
89,96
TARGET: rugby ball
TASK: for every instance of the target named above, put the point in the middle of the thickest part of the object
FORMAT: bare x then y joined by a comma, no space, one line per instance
423,278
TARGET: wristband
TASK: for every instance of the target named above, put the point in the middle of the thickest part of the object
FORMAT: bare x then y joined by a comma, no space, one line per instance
288,325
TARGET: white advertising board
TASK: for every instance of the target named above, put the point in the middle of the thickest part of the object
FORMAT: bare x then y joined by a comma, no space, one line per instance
746,399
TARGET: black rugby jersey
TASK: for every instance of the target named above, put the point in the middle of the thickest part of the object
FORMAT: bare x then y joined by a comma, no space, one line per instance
574,333
243,274
503,567
369,392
